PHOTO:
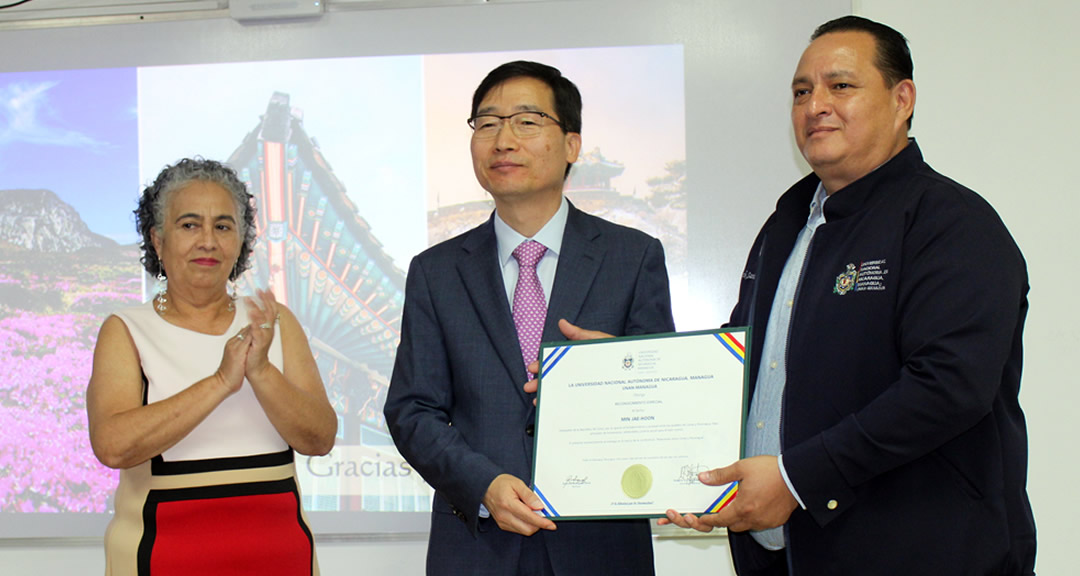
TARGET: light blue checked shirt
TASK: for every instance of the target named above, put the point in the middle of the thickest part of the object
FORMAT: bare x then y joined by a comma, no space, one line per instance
763,422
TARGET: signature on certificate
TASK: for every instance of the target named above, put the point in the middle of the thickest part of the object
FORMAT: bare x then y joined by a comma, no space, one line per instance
575,480
688,474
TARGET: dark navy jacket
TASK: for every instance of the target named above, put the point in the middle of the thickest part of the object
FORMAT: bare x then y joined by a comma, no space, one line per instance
901,428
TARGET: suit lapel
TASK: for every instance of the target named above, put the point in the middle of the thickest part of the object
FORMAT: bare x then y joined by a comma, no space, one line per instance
480,273
579,262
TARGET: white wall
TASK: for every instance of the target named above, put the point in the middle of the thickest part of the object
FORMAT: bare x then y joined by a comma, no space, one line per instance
674,556
995,110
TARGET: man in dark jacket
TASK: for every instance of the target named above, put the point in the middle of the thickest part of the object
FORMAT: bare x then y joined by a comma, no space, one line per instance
887,302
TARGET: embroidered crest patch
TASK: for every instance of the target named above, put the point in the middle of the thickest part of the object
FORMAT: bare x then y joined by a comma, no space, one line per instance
868,276
846,280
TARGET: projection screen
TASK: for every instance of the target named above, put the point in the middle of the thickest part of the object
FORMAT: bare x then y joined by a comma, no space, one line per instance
353,140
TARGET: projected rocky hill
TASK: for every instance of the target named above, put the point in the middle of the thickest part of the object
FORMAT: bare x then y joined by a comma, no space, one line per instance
39,220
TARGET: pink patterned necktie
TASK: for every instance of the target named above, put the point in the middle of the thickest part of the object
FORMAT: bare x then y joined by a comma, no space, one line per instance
530,309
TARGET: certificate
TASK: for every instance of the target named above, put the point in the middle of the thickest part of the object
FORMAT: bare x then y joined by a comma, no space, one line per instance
624,425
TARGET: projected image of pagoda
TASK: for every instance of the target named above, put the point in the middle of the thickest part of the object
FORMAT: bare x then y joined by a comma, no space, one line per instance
320,258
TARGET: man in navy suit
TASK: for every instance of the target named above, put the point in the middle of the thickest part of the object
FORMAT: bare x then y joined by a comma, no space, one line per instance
456,406
885,434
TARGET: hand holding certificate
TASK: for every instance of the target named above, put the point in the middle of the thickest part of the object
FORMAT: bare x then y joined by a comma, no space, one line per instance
625,425
764,499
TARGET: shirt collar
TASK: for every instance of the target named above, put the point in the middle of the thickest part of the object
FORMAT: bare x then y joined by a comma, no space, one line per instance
817,207
551,235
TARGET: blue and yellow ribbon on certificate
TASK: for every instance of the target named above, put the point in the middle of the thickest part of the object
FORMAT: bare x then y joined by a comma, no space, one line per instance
724,499
733,345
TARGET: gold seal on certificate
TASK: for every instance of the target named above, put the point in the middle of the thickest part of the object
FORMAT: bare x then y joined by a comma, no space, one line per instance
636,481
625,425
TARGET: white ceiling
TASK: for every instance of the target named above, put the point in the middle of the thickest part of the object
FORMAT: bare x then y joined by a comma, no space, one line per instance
77,9
67,13
129,5
54,13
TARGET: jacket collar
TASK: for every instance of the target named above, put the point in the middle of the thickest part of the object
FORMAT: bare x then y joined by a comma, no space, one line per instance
855,196
868,189
482,277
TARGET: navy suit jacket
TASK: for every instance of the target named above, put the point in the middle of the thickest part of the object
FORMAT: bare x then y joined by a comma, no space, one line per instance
456,408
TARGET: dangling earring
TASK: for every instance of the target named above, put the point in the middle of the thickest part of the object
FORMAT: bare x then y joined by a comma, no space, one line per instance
231,289
161,303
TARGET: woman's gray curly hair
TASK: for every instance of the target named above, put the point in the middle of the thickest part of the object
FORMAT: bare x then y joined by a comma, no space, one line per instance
150,215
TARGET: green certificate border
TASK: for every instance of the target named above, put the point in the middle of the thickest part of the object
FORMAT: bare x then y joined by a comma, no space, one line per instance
547,347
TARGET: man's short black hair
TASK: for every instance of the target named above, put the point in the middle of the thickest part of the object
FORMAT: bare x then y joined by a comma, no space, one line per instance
567,97
893,55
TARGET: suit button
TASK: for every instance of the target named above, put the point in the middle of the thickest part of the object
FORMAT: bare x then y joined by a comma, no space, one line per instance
529,430
459,514
832,504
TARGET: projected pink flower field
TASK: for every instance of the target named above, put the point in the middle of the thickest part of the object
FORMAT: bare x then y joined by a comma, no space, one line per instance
50,312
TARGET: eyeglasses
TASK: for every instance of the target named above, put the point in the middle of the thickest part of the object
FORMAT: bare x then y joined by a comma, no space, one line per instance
525,124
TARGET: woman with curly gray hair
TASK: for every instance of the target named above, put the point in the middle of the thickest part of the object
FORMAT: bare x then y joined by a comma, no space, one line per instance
200,399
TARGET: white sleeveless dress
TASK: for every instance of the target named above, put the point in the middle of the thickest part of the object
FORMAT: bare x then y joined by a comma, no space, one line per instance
224,500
